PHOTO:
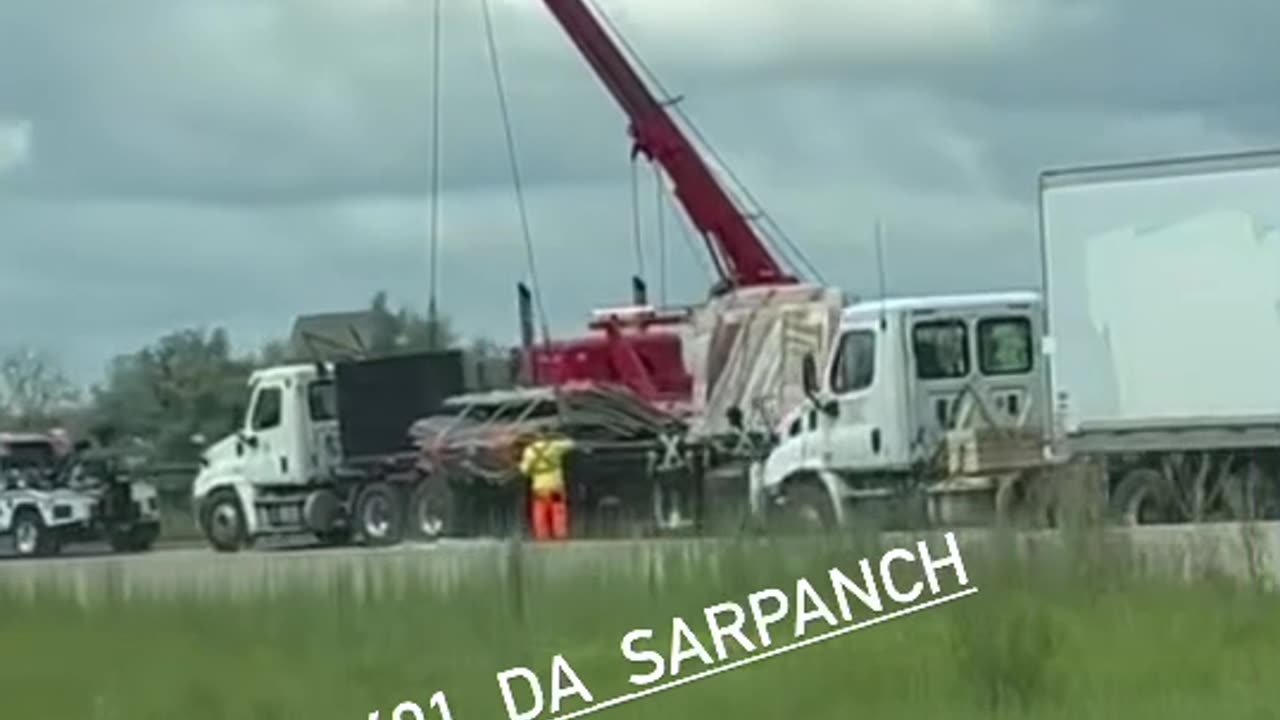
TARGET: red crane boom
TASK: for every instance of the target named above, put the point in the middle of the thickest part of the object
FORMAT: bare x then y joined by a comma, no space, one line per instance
742,257
629,350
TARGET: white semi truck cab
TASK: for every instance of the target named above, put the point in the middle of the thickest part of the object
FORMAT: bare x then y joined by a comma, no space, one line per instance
932,406
256,480
324,450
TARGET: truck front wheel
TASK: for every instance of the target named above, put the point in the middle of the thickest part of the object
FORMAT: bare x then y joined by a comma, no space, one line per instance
31,537
805,508
380,515
224,522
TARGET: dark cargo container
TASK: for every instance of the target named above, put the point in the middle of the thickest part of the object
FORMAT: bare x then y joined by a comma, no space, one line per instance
380,399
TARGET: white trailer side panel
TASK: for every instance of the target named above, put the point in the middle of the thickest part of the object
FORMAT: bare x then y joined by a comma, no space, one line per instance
1162,283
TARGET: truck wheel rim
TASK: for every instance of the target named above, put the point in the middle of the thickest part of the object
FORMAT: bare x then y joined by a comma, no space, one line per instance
376,517
26,538
224,523
809,516
428,522
432,525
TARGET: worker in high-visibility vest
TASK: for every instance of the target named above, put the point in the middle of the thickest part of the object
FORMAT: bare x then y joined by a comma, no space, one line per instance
542,462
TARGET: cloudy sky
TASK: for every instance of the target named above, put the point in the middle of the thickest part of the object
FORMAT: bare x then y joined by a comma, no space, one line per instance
172,163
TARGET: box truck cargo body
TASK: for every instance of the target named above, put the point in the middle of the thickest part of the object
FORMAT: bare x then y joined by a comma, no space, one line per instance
1162,316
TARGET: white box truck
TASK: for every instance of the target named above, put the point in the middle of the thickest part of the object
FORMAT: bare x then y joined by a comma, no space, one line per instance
1162,318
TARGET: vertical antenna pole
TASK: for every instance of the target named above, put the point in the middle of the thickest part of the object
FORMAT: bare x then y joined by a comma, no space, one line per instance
880,270
639,291
435,338
524,296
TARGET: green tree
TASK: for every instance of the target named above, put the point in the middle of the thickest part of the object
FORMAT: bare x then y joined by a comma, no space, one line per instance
186,383
405,331
275,352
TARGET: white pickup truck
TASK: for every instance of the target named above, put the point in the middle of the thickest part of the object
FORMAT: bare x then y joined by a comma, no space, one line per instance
46,502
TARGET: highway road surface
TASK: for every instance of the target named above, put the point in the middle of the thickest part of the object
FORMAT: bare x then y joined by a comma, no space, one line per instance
171,568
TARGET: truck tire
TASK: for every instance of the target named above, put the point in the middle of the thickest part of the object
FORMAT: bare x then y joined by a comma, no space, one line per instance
806,508
31,537
224,524
379,516
138,538
431,510
1145,495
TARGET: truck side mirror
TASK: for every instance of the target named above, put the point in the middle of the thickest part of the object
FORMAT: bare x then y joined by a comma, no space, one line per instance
831,409
734,416
809,375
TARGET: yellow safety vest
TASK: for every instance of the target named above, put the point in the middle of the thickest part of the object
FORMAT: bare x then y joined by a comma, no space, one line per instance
543,463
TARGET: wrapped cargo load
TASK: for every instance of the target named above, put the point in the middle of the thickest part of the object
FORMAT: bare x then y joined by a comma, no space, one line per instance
747,349
481,435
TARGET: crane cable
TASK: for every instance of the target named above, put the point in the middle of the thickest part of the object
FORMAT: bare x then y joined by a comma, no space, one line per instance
515,171
433,317
635,57
698,258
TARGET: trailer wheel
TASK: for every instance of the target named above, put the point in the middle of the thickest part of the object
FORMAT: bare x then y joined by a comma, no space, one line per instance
31,537
380,515
1145,497
1248,495
431,509
224,522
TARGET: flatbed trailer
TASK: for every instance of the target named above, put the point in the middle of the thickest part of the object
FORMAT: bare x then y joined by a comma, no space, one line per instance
633,471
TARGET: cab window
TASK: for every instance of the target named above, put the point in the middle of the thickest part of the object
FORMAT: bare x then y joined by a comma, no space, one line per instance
266,410
855,362
1004,346
941,349
322,401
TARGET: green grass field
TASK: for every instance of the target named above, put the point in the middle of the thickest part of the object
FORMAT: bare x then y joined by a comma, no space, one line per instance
1075,635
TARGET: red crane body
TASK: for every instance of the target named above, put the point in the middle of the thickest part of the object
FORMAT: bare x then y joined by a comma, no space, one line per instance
651,362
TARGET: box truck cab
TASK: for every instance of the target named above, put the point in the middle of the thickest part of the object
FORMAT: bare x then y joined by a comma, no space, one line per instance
928,406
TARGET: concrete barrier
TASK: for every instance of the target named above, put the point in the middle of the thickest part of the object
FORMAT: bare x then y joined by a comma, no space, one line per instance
1246,552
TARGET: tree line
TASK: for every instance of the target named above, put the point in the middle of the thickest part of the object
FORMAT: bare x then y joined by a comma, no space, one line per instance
186,383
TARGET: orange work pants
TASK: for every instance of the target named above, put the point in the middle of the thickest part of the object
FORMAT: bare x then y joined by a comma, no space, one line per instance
550,516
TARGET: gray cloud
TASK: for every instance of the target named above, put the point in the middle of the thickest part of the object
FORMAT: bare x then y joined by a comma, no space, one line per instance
241,162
